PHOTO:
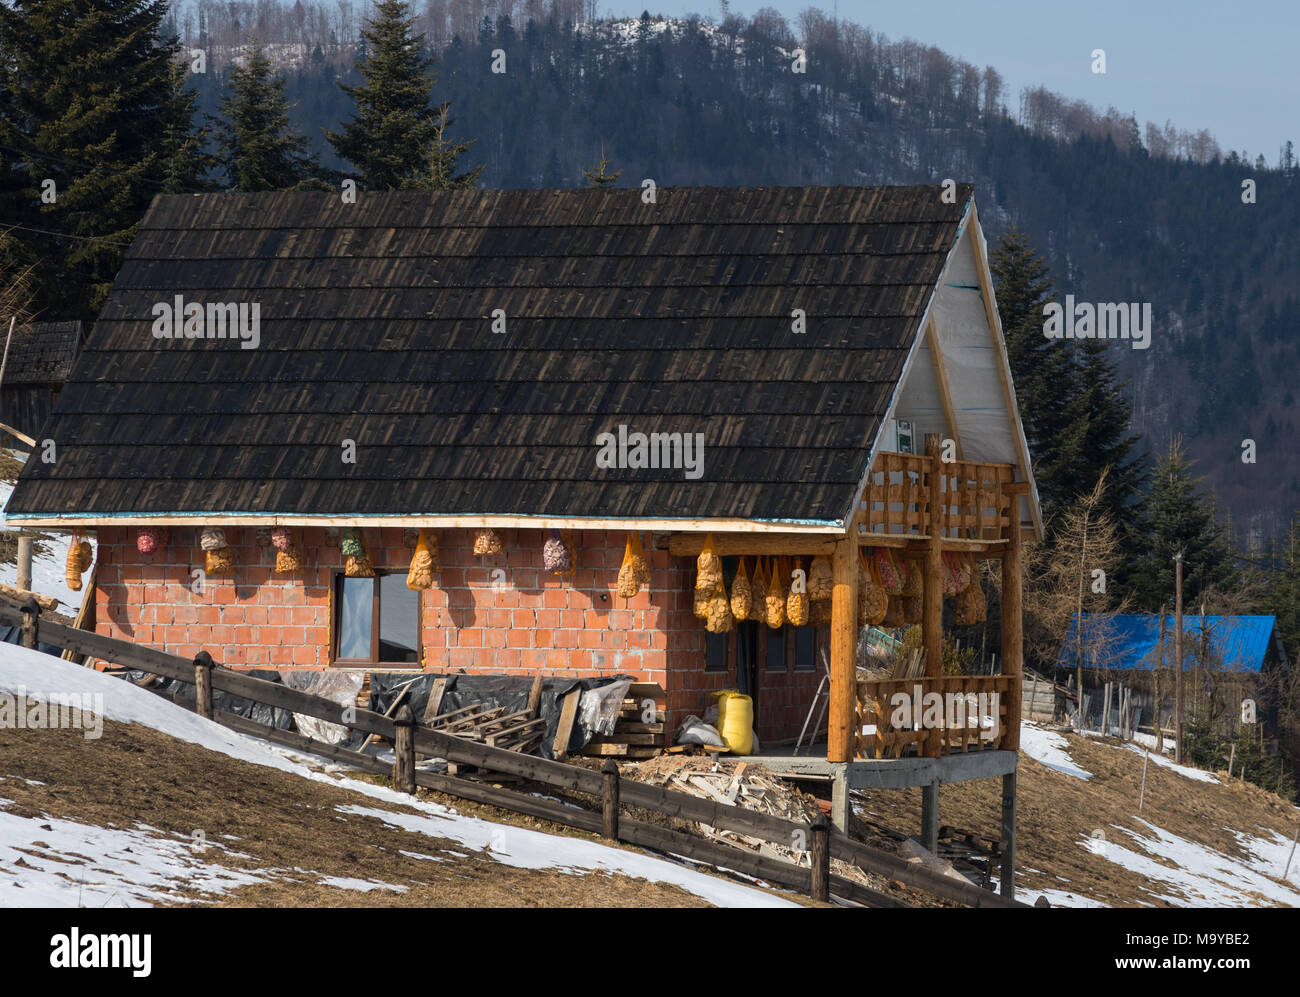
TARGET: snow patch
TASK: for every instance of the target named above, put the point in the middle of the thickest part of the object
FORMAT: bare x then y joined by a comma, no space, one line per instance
1201,876
1050,749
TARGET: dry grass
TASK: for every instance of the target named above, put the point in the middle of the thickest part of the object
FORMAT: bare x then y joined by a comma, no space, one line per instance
135,775
1055,812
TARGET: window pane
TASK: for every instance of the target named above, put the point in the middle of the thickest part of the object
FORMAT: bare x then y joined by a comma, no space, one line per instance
356,606
805,646
775,657
715,652
399,620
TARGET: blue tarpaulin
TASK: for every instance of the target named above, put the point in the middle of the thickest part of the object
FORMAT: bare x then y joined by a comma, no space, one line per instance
1132,641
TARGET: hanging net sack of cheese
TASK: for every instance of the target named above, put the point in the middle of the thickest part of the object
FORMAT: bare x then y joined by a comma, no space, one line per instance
717,615
757,594
740,593
821,579
775,598
708,566
797,602
873,602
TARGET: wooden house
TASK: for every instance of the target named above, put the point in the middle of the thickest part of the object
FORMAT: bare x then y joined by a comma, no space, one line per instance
450,362
37,362
1226,661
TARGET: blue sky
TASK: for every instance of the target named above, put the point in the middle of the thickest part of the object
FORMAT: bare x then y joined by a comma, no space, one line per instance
1233,68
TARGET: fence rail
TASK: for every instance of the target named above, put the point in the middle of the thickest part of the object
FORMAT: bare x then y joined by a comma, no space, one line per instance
208,676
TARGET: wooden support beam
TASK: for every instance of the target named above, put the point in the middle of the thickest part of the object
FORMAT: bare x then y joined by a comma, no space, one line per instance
941,379
842,736
1012,635
746,545
22,595
932,613
1008,836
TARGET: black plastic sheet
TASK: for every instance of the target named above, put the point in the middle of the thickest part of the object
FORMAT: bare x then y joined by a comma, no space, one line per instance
14,635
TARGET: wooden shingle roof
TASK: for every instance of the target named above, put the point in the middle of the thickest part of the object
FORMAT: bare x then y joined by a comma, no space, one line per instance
376,326
40,353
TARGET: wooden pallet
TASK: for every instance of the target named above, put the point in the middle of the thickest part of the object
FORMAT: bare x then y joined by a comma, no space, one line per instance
640,731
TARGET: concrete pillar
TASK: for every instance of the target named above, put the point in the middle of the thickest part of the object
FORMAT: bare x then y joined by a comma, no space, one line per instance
840,799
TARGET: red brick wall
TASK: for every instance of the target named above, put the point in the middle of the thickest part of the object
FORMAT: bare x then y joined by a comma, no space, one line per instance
520,620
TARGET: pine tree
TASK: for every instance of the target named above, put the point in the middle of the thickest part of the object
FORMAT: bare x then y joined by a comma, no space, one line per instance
259,148
1107,448
1044,371
186,165
440,162
1284,598
396,138
80,89
1179,518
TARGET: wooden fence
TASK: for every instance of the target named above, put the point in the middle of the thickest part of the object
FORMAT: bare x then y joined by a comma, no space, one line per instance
410,740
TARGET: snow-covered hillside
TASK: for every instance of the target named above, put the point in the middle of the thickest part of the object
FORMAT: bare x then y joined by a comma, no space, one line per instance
52,862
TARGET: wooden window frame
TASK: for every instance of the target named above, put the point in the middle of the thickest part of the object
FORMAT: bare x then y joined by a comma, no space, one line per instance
336,608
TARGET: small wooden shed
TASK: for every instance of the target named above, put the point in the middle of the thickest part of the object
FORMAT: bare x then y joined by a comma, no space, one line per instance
36,365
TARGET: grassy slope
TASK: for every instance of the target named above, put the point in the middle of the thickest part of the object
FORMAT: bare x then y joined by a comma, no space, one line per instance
1057,812
136,775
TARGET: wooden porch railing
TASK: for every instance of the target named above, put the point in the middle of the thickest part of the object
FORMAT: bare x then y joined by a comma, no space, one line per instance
976,500
963,724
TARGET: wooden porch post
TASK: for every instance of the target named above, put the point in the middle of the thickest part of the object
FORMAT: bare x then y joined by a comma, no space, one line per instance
932,612
842,735
1012,637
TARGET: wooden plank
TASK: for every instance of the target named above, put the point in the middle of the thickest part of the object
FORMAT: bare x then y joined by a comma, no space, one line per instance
619,737
601,750
941,379
564,728
750,544
502,522
434,704
535,695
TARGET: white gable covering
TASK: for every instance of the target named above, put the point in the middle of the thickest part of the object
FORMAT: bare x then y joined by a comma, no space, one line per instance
980,411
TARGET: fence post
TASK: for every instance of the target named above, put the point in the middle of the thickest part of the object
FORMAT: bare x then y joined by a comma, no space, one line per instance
404,750
203,684
609,800
31,628
821,859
